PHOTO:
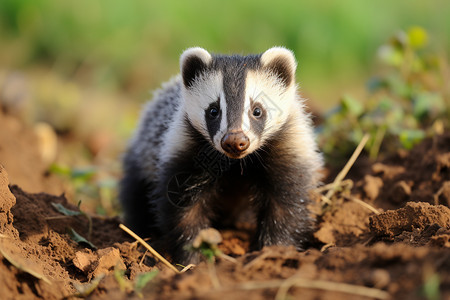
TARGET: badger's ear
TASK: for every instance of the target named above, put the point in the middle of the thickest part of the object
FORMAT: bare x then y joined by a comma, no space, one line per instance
281,62
193,62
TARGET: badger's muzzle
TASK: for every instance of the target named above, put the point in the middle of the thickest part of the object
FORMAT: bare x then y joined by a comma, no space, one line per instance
234,143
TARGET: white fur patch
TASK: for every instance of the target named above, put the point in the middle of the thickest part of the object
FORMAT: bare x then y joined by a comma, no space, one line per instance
206,90
269,93
279,52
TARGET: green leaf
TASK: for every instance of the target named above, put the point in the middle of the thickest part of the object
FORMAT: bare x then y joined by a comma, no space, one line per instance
65,211
80,239
83,174
352,106
144,278
410,137
391,55
119,275
60,170
84,290
431,287
426,103
417,37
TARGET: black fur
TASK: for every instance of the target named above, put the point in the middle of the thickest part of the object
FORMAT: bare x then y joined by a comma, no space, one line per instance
282,69
192,68
213,124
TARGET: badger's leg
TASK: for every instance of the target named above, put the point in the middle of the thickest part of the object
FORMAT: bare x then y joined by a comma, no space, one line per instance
134,192
283,215
182,218
184,226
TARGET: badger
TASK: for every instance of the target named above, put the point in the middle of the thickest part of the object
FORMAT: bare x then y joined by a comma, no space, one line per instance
229,133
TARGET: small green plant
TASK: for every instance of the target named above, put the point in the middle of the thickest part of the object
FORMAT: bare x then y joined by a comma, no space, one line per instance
410,101
431,287
206,243
140,282
80,239
72,233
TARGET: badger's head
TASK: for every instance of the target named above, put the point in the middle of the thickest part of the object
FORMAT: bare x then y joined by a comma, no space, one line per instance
238,102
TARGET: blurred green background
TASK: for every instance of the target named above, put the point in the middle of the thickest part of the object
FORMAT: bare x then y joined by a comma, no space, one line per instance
133,46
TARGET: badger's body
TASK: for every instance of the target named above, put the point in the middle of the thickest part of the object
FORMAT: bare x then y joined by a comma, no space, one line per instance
229,132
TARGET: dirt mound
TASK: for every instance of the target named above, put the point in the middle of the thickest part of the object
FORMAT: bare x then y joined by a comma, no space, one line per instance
22,150
412,216
402,253
40,259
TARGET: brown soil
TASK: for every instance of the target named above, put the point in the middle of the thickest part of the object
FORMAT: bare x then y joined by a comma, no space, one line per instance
401,253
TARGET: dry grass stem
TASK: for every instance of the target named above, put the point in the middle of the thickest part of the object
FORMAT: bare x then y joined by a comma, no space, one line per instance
364,204
227,257
329,286
188,267
143,257
325,200
285,285
325,247
347,166
327,187
57,217
149,248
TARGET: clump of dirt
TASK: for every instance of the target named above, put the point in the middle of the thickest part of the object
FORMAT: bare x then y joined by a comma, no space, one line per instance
362,251
411,216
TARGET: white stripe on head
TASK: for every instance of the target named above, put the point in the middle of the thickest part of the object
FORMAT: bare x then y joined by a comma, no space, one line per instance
217,139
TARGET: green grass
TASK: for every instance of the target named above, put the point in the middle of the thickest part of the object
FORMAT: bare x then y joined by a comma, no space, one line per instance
133,46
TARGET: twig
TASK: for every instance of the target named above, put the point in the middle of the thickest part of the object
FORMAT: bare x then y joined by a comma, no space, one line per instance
188,267
149,248
227,257
143,257
437,195
325,247
329,286
362,203
256,260
285,285
326,187
326,200
57,217
347,166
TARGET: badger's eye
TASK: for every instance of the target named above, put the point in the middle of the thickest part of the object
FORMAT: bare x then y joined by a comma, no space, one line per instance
257,112
213,112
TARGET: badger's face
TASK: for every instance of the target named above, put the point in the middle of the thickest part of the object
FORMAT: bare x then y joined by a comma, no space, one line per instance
238,102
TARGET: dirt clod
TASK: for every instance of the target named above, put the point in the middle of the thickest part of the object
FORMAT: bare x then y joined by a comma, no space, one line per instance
412,216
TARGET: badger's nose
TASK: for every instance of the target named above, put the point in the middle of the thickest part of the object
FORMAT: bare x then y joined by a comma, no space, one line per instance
235,142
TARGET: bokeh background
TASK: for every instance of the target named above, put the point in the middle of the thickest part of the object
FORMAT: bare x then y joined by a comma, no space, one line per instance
86,67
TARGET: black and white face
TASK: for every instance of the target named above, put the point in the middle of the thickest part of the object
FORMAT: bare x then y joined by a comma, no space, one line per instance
238,102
